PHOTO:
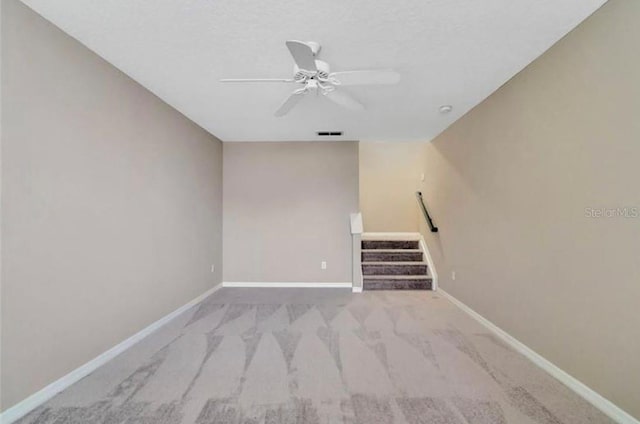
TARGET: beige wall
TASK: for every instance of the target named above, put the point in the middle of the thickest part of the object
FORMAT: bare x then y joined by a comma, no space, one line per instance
286,209
511,181
111,207
389,177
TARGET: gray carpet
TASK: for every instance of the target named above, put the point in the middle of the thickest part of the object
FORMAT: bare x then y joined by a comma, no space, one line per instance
319,356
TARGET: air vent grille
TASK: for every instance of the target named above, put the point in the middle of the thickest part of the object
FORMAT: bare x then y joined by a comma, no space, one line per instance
329,133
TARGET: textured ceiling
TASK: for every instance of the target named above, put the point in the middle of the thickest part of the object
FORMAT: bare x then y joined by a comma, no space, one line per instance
448,52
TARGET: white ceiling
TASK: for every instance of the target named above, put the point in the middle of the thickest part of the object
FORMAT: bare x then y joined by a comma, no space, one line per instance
448,52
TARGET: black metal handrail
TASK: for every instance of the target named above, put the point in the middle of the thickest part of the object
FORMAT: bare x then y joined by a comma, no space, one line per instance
425,212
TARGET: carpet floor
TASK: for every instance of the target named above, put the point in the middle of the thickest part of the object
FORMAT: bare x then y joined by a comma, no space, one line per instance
319,356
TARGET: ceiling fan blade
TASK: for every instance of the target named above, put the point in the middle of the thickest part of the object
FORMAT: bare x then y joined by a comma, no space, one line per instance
381,77
257,80
344,100
302,55
290,103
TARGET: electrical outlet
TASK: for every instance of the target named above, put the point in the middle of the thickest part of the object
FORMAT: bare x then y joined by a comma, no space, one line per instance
323,265
213,268
422,177
453,275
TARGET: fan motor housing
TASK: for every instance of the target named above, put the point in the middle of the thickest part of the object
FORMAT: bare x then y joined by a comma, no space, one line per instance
323,72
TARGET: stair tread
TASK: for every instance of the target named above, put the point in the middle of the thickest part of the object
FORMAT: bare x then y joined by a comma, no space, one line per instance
391,250
398,240
381,239
425,284
397,277
395,263
390,244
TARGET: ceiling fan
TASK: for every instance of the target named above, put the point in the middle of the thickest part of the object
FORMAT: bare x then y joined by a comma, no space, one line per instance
315,76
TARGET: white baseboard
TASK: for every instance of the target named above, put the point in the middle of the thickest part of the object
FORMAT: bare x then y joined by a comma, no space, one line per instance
430,263
390,236
606,406
293,284
357,289
29,404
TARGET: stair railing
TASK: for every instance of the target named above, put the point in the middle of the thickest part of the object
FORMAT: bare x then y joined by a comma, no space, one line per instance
425,212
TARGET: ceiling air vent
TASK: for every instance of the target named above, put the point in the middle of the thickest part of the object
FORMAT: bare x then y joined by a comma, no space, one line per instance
329,133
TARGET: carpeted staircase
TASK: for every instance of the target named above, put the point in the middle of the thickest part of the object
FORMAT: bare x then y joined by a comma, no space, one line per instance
394,265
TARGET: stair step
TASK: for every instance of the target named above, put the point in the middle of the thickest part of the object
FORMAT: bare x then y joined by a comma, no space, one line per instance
397,283
392,255
394,268
390,244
